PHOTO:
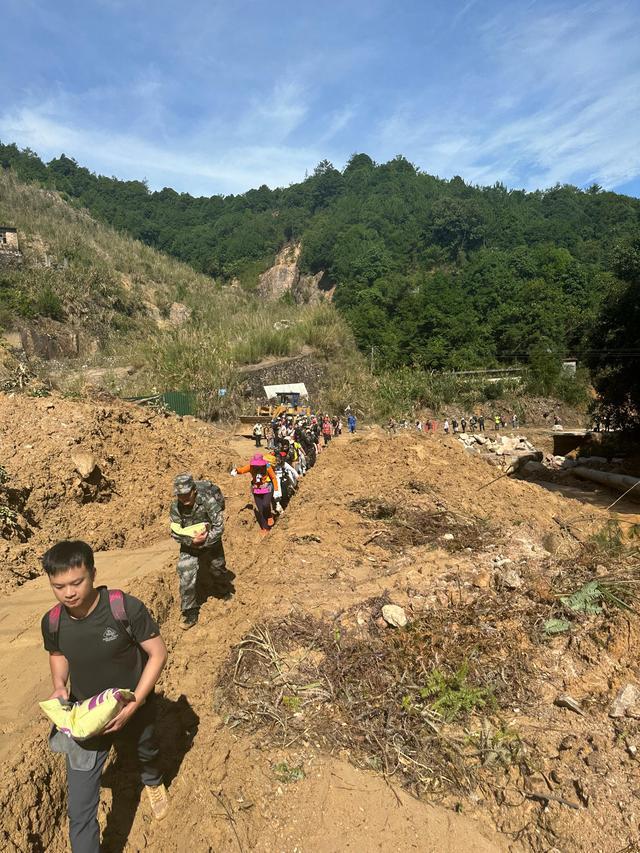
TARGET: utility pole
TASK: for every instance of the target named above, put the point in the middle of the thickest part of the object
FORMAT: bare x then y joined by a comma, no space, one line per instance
372,352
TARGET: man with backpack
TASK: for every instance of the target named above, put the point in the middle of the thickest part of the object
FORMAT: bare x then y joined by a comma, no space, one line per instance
201,562
99,639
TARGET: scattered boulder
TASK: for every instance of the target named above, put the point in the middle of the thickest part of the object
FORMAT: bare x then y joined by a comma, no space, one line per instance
568,702
512,452
511,579
179,314
394,615
627,702
531,468
85,463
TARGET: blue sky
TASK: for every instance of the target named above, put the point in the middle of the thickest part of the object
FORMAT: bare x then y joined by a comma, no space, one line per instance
218,97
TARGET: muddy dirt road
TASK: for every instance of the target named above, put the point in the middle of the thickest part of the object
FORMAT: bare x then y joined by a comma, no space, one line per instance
327,558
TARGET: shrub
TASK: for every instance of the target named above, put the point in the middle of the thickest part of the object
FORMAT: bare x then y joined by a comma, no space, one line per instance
48,304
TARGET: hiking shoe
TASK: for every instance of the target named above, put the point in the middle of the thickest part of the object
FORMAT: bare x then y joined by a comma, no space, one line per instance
264,532
158,800
189,619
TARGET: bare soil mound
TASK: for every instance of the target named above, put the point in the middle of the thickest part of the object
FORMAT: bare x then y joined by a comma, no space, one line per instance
99,471
316,736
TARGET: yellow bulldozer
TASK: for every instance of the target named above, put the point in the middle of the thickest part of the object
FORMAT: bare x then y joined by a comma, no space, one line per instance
282,400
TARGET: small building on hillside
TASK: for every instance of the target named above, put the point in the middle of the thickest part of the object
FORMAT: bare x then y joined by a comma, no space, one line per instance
8,239
10,254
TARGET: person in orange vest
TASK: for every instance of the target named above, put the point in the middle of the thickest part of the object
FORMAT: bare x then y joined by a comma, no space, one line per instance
264,488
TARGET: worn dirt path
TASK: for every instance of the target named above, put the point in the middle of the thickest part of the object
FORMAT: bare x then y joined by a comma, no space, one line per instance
214,771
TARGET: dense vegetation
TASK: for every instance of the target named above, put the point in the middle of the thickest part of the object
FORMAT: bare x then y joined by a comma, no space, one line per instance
119,292
614,357
430,273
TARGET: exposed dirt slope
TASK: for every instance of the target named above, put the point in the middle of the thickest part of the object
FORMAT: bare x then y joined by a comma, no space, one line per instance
330,555
123,504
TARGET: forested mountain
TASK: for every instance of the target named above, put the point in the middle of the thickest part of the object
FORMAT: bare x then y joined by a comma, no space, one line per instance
429,272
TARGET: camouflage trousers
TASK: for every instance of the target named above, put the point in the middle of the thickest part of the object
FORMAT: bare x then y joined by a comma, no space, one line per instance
198,574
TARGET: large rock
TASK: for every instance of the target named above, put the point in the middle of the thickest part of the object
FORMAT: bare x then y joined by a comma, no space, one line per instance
627,702
179,314
514,462
49,339
312,289
394,615
282,276
84,462
285,277
532,468
154,312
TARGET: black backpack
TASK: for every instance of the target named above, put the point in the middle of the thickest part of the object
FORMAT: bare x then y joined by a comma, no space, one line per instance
207,488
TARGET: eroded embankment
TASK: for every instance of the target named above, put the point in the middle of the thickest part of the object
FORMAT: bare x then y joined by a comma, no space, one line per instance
102,471
373,522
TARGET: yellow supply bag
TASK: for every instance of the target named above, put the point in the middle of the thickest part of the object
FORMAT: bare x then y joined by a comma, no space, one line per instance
83,720
191,531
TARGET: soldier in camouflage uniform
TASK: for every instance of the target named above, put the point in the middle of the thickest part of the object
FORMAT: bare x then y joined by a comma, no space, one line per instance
201,557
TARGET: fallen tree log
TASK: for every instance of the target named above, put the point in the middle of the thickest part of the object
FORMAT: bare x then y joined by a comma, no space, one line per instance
619,482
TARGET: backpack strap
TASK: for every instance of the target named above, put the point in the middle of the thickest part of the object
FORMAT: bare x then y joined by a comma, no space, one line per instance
116,605
54,622
118,611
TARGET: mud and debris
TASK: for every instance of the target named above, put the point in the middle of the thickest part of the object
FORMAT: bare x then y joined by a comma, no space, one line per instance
295,716
81,469
415,525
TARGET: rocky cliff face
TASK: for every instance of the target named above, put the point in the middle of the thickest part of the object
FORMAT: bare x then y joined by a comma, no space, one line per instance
49,339
285,277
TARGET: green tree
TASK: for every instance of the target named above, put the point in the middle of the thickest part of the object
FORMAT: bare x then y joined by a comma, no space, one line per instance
614,355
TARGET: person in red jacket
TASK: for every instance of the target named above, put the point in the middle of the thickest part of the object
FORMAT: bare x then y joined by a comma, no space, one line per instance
264,487
327,429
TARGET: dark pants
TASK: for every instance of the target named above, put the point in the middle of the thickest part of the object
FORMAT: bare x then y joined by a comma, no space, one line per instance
263,509
258,439
84,785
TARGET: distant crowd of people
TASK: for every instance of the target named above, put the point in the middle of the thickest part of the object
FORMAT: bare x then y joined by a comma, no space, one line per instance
474,423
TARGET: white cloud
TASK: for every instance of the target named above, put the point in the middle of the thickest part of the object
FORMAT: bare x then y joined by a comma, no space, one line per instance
562,105
277,116
547,95
462,11
199,169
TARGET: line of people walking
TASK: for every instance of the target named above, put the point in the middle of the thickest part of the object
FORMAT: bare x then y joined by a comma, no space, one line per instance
100,639
476,423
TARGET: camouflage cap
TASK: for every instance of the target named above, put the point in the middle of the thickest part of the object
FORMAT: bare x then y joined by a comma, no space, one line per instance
183,484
